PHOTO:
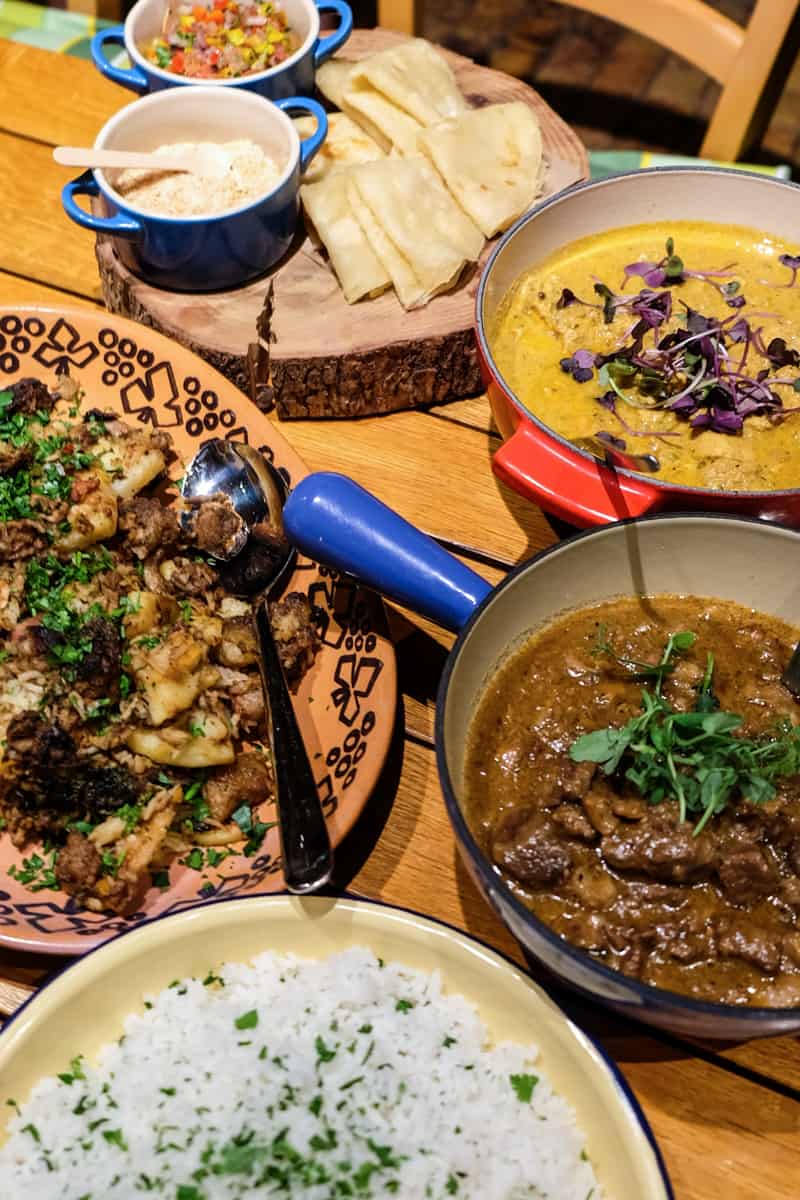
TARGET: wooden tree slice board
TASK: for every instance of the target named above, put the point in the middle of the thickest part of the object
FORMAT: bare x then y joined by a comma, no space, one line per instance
292,340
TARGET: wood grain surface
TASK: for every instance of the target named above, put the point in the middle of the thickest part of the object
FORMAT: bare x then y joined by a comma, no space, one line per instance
727,1117
327,357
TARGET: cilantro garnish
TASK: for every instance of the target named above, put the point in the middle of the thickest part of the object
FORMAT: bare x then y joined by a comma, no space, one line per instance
695,758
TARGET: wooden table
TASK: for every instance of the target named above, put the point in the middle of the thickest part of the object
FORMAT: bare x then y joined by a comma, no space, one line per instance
727,1117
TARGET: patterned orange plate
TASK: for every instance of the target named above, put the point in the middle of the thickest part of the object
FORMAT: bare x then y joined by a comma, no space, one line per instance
345,704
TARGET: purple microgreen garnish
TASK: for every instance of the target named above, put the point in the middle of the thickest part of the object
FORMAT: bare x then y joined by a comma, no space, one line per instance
652,273
609,401
691,370
579,365
780,355
792,261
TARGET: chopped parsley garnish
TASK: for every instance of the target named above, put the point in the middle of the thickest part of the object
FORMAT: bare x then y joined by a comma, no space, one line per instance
523,1085
112,862
115,1138
75,1071
36,873
130,814
48,595
404,1006
324,1054
248,1020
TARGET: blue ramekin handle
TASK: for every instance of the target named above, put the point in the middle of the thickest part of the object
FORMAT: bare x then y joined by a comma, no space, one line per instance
336,522
86,185
130,77
310,145
324,47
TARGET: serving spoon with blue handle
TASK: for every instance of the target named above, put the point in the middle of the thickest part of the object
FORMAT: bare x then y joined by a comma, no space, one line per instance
258,562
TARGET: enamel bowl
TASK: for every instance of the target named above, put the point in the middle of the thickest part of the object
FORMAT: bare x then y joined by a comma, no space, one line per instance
293,77
752,562
535,460
111,982
207,252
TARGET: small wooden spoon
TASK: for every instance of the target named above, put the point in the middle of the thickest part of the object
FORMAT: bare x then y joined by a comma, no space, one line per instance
205,160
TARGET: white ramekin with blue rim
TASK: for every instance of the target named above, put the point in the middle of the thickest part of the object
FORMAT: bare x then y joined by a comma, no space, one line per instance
294,77
220,249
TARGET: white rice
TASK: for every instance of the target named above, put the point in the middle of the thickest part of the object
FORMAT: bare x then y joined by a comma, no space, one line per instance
343,1078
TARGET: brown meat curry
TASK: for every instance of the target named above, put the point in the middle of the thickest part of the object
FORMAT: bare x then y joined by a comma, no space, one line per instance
713,914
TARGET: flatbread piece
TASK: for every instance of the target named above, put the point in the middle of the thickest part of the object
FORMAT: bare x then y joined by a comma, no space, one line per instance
415,78
491,159
345,145
359,270
386,123
418,232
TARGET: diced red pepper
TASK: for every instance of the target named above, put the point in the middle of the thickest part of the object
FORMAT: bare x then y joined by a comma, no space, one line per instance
177,63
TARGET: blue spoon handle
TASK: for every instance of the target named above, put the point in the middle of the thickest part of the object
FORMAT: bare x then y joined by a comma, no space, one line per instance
336,522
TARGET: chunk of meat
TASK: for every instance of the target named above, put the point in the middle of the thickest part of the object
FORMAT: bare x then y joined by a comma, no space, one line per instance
239,647
147,525
526,846
22,539
249,707
574,779
78,864
661,847
749,942
37,746
99,670
29,396
13,457
295,634
214,526
186,577
630,808
246,781
594,888
747,874
574,822
599,805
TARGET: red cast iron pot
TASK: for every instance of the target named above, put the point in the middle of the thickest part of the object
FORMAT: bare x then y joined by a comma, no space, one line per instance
534,459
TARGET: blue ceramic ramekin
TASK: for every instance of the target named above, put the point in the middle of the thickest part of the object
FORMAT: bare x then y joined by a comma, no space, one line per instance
218,250
294,77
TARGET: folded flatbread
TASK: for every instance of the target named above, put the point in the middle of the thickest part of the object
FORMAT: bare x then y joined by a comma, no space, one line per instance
358,268
418,232
382,120
332,78
491,159
345,145
415,78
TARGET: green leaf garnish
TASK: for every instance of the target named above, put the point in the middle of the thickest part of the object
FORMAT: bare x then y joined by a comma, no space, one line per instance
523,1085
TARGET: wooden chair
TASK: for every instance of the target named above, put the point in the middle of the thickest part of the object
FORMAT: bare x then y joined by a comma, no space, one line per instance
750,62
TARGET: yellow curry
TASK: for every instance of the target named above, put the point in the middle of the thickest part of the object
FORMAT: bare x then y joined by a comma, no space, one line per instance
681,341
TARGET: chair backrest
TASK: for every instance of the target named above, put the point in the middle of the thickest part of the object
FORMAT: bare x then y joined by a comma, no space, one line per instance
750,62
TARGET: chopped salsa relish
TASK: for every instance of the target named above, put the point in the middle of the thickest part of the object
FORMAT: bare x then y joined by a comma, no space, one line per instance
221,40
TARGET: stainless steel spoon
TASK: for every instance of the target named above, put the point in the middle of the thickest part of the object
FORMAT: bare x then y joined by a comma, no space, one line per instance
612,456
258,561
791,676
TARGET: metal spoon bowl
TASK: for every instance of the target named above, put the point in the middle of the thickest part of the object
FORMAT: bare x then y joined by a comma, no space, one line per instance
258,562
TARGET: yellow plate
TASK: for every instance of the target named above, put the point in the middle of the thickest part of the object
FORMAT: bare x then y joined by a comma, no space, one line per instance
85,1006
